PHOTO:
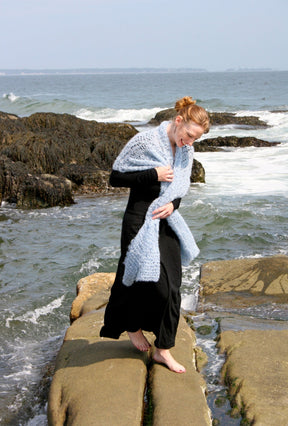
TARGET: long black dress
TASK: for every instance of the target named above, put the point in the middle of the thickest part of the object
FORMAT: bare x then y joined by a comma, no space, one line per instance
150,306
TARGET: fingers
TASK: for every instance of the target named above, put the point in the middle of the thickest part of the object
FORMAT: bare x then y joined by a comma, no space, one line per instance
169,174
165,173
163,212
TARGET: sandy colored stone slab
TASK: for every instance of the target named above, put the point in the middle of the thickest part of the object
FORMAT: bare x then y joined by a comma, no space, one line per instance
102,382
179,399
97,381
265,276
98,286
256,370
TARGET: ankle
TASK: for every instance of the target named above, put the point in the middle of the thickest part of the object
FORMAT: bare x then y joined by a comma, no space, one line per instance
162,352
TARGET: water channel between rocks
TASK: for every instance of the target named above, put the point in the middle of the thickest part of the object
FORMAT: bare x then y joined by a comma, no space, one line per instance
208,322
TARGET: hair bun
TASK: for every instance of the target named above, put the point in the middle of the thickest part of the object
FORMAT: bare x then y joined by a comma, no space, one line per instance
184,102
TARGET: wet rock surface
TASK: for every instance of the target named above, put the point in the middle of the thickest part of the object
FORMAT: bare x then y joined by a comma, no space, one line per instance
216,119
76,154
240,295
93,293
266,276
179,398
257,374
219,143
79,154
26,190
198,172
102,381
96,382
255,369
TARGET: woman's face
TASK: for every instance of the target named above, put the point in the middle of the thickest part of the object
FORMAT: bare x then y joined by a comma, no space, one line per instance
186,133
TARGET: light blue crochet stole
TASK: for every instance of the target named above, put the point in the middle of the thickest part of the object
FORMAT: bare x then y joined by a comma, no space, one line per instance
147,150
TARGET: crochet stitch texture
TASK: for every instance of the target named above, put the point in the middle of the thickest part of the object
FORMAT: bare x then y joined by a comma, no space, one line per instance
146,150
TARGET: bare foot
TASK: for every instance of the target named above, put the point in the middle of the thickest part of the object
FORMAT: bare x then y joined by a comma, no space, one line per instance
163,356
139,340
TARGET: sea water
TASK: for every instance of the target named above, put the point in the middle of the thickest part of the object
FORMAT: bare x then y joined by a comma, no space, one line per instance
240,212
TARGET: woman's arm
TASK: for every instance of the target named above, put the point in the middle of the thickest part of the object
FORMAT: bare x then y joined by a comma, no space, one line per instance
176,203
166,210
133,179
145,177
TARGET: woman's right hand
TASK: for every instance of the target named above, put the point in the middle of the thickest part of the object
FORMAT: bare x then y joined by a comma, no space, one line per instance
165,173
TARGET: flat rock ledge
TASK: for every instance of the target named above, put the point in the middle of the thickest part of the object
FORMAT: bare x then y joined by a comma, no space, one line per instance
256,371
256,366
264,278
101,381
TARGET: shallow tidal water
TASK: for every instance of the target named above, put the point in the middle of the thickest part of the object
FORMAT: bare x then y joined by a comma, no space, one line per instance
44,253
240,212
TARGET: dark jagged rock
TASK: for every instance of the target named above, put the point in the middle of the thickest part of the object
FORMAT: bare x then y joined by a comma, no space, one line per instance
63,147
275,111
2,181
164,115
215,144
198,172
46,142
14,174
224,118
32,191
216,119
44,191
66,147
87,179
8,116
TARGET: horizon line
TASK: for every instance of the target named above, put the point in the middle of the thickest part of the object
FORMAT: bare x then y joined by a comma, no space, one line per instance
133,69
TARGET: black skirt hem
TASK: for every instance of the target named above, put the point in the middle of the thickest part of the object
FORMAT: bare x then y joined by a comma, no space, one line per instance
111,334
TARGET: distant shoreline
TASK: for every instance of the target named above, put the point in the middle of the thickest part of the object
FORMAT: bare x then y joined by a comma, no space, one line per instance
89,71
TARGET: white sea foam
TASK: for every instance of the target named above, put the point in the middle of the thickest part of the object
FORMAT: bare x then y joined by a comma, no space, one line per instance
39,420
198,203
90,266
208,345
189,301
10,96
277,122
24,360
190,286
32,316
276,132
271,118
246,171
59,213
118,115
26,371
252,256
93,264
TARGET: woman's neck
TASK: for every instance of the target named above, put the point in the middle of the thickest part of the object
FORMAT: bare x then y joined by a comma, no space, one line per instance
170,132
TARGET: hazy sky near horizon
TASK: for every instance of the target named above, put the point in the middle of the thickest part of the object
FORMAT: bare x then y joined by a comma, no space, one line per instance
215,35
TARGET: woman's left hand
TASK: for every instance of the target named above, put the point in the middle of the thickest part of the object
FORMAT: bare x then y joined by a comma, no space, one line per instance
163,211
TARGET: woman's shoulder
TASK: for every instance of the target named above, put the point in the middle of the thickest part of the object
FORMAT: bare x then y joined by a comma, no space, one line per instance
146,134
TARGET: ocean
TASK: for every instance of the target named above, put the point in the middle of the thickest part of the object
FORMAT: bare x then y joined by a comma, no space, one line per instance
241,211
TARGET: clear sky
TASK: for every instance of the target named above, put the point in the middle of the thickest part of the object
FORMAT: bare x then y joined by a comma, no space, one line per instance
211,34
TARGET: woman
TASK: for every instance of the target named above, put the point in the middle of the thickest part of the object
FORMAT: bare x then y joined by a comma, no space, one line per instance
156,166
